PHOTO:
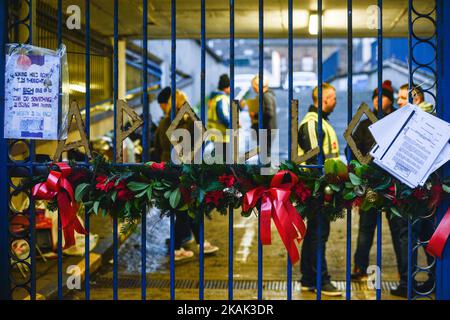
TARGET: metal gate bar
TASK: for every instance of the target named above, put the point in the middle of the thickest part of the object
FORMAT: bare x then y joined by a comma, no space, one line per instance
231,148
260,119
172,116
115,97
5,269
201,271
410,83
443,100
290,99
348,289
60,248
145,143
87,103
320,141
380,115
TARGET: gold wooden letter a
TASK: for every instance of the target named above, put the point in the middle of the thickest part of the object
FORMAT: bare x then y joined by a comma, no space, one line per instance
74,111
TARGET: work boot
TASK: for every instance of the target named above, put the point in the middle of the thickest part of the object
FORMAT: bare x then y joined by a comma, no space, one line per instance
328,289
359,275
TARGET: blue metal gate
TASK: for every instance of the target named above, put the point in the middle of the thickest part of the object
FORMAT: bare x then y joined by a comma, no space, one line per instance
12,30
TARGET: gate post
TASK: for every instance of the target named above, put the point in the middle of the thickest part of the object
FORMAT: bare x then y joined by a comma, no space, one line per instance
443,67
5,290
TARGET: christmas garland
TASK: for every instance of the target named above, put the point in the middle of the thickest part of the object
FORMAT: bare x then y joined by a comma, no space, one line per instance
294,193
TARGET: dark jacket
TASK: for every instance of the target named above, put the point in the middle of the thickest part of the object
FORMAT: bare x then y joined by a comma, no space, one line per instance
269,112
304,140
162,147
362,136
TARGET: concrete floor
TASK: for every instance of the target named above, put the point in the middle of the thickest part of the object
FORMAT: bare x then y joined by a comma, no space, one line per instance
245,262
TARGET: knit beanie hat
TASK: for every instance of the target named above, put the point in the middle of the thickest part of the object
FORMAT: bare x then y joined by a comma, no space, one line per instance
386,90
224,82
164,95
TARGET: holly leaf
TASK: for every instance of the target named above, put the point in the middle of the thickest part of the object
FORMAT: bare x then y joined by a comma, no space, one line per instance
355,179
216,185
350,195
80,190
357,166
175,198
149,194
335,187
114,196
137,186
316,187
395,212
141,194
96,206
385,184
349,185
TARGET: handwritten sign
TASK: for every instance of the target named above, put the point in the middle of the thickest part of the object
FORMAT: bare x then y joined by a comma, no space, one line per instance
32,95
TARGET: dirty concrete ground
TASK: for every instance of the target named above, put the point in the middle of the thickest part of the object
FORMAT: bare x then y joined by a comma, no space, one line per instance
245,263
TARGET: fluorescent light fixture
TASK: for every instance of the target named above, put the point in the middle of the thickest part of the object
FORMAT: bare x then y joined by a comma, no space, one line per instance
77,87
313,24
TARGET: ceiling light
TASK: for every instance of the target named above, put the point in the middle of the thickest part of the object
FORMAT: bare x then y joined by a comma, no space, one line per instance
313,24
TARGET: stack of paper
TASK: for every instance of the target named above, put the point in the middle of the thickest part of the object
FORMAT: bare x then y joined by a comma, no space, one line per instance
411,144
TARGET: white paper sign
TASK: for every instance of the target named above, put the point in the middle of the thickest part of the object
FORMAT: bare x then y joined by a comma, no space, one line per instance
411,144
31,96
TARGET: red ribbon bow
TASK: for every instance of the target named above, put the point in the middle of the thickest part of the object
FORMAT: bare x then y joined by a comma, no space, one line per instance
275,204
58,186
440,236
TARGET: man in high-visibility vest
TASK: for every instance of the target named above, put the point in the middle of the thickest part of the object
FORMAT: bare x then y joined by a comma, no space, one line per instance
219,111
309,139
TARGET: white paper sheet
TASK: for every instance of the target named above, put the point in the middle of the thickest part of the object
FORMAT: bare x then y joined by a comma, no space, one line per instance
410,144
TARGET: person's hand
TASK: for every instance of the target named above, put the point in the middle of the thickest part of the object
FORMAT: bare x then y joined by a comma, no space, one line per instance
252,114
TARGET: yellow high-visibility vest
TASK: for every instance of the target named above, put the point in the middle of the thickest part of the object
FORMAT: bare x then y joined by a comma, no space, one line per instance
330,140
213,118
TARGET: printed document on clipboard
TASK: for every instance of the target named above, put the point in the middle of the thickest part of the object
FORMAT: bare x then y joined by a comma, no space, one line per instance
411,144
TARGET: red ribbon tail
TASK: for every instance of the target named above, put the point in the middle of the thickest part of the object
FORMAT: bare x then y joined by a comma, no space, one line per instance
288,233
437,242
78,226
69,236
265,220
69,219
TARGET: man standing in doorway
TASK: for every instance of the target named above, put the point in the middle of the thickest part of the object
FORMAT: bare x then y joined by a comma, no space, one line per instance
219,112
269,116
308,139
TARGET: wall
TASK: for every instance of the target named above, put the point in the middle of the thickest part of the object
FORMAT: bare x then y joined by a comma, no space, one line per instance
188,62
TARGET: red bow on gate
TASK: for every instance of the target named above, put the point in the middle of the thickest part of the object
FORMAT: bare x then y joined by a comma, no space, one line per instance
275,204
58,186
440,236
